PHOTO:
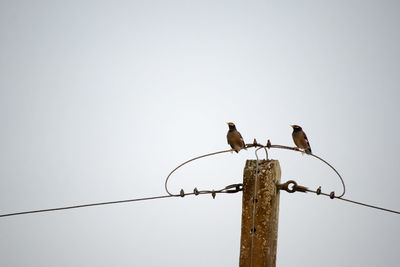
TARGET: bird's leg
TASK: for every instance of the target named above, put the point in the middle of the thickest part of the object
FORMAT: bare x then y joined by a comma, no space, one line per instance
231,150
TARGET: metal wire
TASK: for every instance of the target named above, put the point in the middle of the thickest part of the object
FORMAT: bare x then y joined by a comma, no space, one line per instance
234,188
355,202
341,179
254,144
82,206
258,147
254,204
196,192
315,156
291,187
190,160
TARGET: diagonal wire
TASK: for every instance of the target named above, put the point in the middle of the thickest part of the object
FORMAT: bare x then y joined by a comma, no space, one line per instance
83,206
292,186
368,205
234,188
355,202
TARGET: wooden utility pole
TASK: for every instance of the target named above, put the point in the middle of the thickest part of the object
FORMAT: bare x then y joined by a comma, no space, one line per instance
258,245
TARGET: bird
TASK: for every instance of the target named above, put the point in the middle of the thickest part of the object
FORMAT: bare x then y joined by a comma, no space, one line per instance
300,139
234,138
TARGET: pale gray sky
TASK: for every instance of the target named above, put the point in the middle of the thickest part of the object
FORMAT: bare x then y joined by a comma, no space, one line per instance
99,100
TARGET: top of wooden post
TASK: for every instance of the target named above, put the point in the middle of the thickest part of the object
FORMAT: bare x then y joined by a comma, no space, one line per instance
261,251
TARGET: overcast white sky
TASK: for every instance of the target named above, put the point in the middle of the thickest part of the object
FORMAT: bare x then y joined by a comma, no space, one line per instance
99,100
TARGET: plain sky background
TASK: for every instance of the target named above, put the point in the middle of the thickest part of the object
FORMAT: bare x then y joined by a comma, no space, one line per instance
100,100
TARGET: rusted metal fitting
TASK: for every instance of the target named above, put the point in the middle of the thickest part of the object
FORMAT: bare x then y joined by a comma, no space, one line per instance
237,188
291,187
195,191
318,192
269,143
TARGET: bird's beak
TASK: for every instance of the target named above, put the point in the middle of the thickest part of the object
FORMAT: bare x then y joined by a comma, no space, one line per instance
292,126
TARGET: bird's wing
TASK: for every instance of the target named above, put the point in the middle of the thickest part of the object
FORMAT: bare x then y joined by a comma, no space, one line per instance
241,138
228,136
305,137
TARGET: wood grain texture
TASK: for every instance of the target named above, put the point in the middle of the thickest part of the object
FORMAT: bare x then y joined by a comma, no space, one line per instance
266,214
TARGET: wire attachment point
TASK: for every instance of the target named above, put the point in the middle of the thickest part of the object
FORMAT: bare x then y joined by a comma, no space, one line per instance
269,144
182,193
237,188
318,192
291,187
255,142
195,191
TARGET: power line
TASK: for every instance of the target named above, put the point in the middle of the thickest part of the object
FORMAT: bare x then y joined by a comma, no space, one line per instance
83,206
234,188
291,187
368,205
355,202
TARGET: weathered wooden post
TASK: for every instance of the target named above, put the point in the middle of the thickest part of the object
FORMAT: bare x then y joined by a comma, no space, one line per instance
258,245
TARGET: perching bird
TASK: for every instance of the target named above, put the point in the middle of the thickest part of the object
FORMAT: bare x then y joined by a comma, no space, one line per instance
235,138
300,139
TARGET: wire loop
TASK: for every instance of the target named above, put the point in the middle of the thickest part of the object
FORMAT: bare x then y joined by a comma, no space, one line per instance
291,189
258,146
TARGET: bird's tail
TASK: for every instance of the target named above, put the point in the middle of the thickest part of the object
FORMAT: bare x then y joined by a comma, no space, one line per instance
308,150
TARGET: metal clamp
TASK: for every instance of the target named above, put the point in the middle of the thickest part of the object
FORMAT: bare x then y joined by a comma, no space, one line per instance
291,187
237,188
